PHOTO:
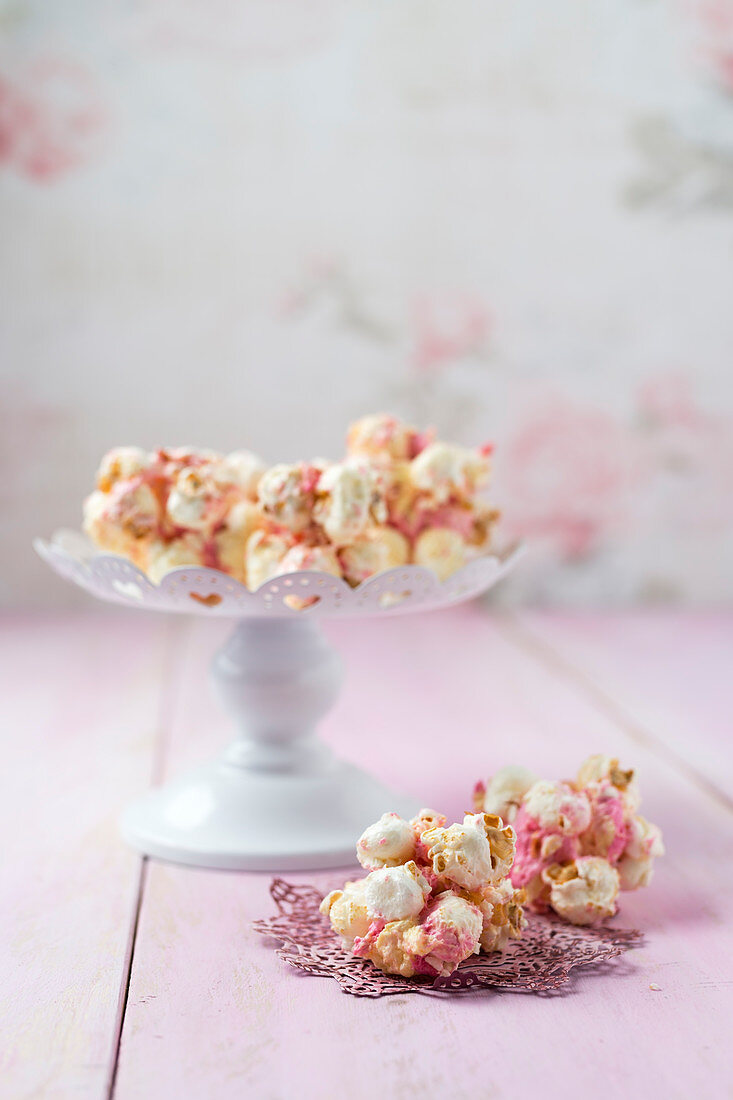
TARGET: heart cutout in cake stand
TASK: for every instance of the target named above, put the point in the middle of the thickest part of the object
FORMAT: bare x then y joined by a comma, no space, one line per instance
277,798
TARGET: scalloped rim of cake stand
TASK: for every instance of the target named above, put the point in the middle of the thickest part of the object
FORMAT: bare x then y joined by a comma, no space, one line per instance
204,591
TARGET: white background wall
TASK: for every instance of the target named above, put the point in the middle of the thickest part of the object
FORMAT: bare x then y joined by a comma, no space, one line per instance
245,222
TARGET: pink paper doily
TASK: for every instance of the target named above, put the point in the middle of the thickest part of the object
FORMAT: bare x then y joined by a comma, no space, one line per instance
539,962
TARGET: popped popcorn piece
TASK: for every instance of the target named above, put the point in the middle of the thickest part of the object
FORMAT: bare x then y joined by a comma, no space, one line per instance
381,435
162,557
504,792
263,553
548,824
396,893
287,494
424,822
175,458
607,833
197,500
441,549
502,915
585,891
397,496
387,478
344,499
449,932
378,549
243,469
557,807
600,768
385,946
274,553
644,844
321,559
387,843
480,850
119,464
445,470
483,522
97,523
627,840
231,539
128,512
347,911
426,819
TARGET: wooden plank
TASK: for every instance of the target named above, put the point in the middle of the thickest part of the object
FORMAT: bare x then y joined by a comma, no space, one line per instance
665,675
79,710
432,703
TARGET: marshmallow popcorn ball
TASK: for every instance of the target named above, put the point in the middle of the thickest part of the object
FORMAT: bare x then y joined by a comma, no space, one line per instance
578,842
397,496
434,894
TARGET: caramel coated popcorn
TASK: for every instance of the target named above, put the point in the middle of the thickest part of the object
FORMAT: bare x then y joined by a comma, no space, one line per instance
578,842
435,894
397,497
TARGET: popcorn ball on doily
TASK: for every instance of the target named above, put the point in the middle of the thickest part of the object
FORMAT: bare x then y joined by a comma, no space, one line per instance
579,842
434,895
540,961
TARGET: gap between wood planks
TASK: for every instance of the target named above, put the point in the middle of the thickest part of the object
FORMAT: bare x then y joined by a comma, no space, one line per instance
531,644
177,635
126,978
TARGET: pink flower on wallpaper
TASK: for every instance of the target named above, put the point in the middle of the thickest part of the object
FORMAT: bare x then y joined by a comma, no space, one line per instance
448,328
50,118
565,475
667,399
690,451
715,26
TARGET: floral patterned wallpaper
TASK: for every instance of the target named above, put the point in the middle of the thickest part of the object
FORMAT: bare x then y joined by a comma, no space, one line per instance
245,222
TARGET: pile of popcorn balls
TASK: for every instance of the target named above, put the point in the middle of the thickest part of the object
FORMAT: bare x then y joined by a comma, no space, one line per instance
397,496
578,842
434,895
437,894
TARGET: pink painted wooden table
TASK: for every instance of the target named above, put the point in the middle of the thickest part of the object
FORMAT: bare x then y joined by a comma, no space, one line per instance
140,979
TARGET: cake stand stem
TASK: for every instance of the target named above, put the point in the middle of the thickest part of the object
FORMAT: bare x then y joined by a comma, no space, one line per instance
277,798
277,678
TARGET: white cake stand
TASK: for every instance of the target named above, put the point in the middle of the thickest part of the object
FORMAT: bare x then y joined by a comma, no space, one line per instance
277,798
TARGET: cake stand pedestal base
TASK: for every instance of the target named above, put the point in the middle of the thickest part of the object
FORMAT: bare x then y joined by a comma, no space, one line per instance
277,799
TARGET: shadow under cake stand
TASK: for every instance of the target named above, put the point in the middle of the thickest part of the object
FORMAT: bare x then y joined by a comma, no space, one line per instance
277,798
